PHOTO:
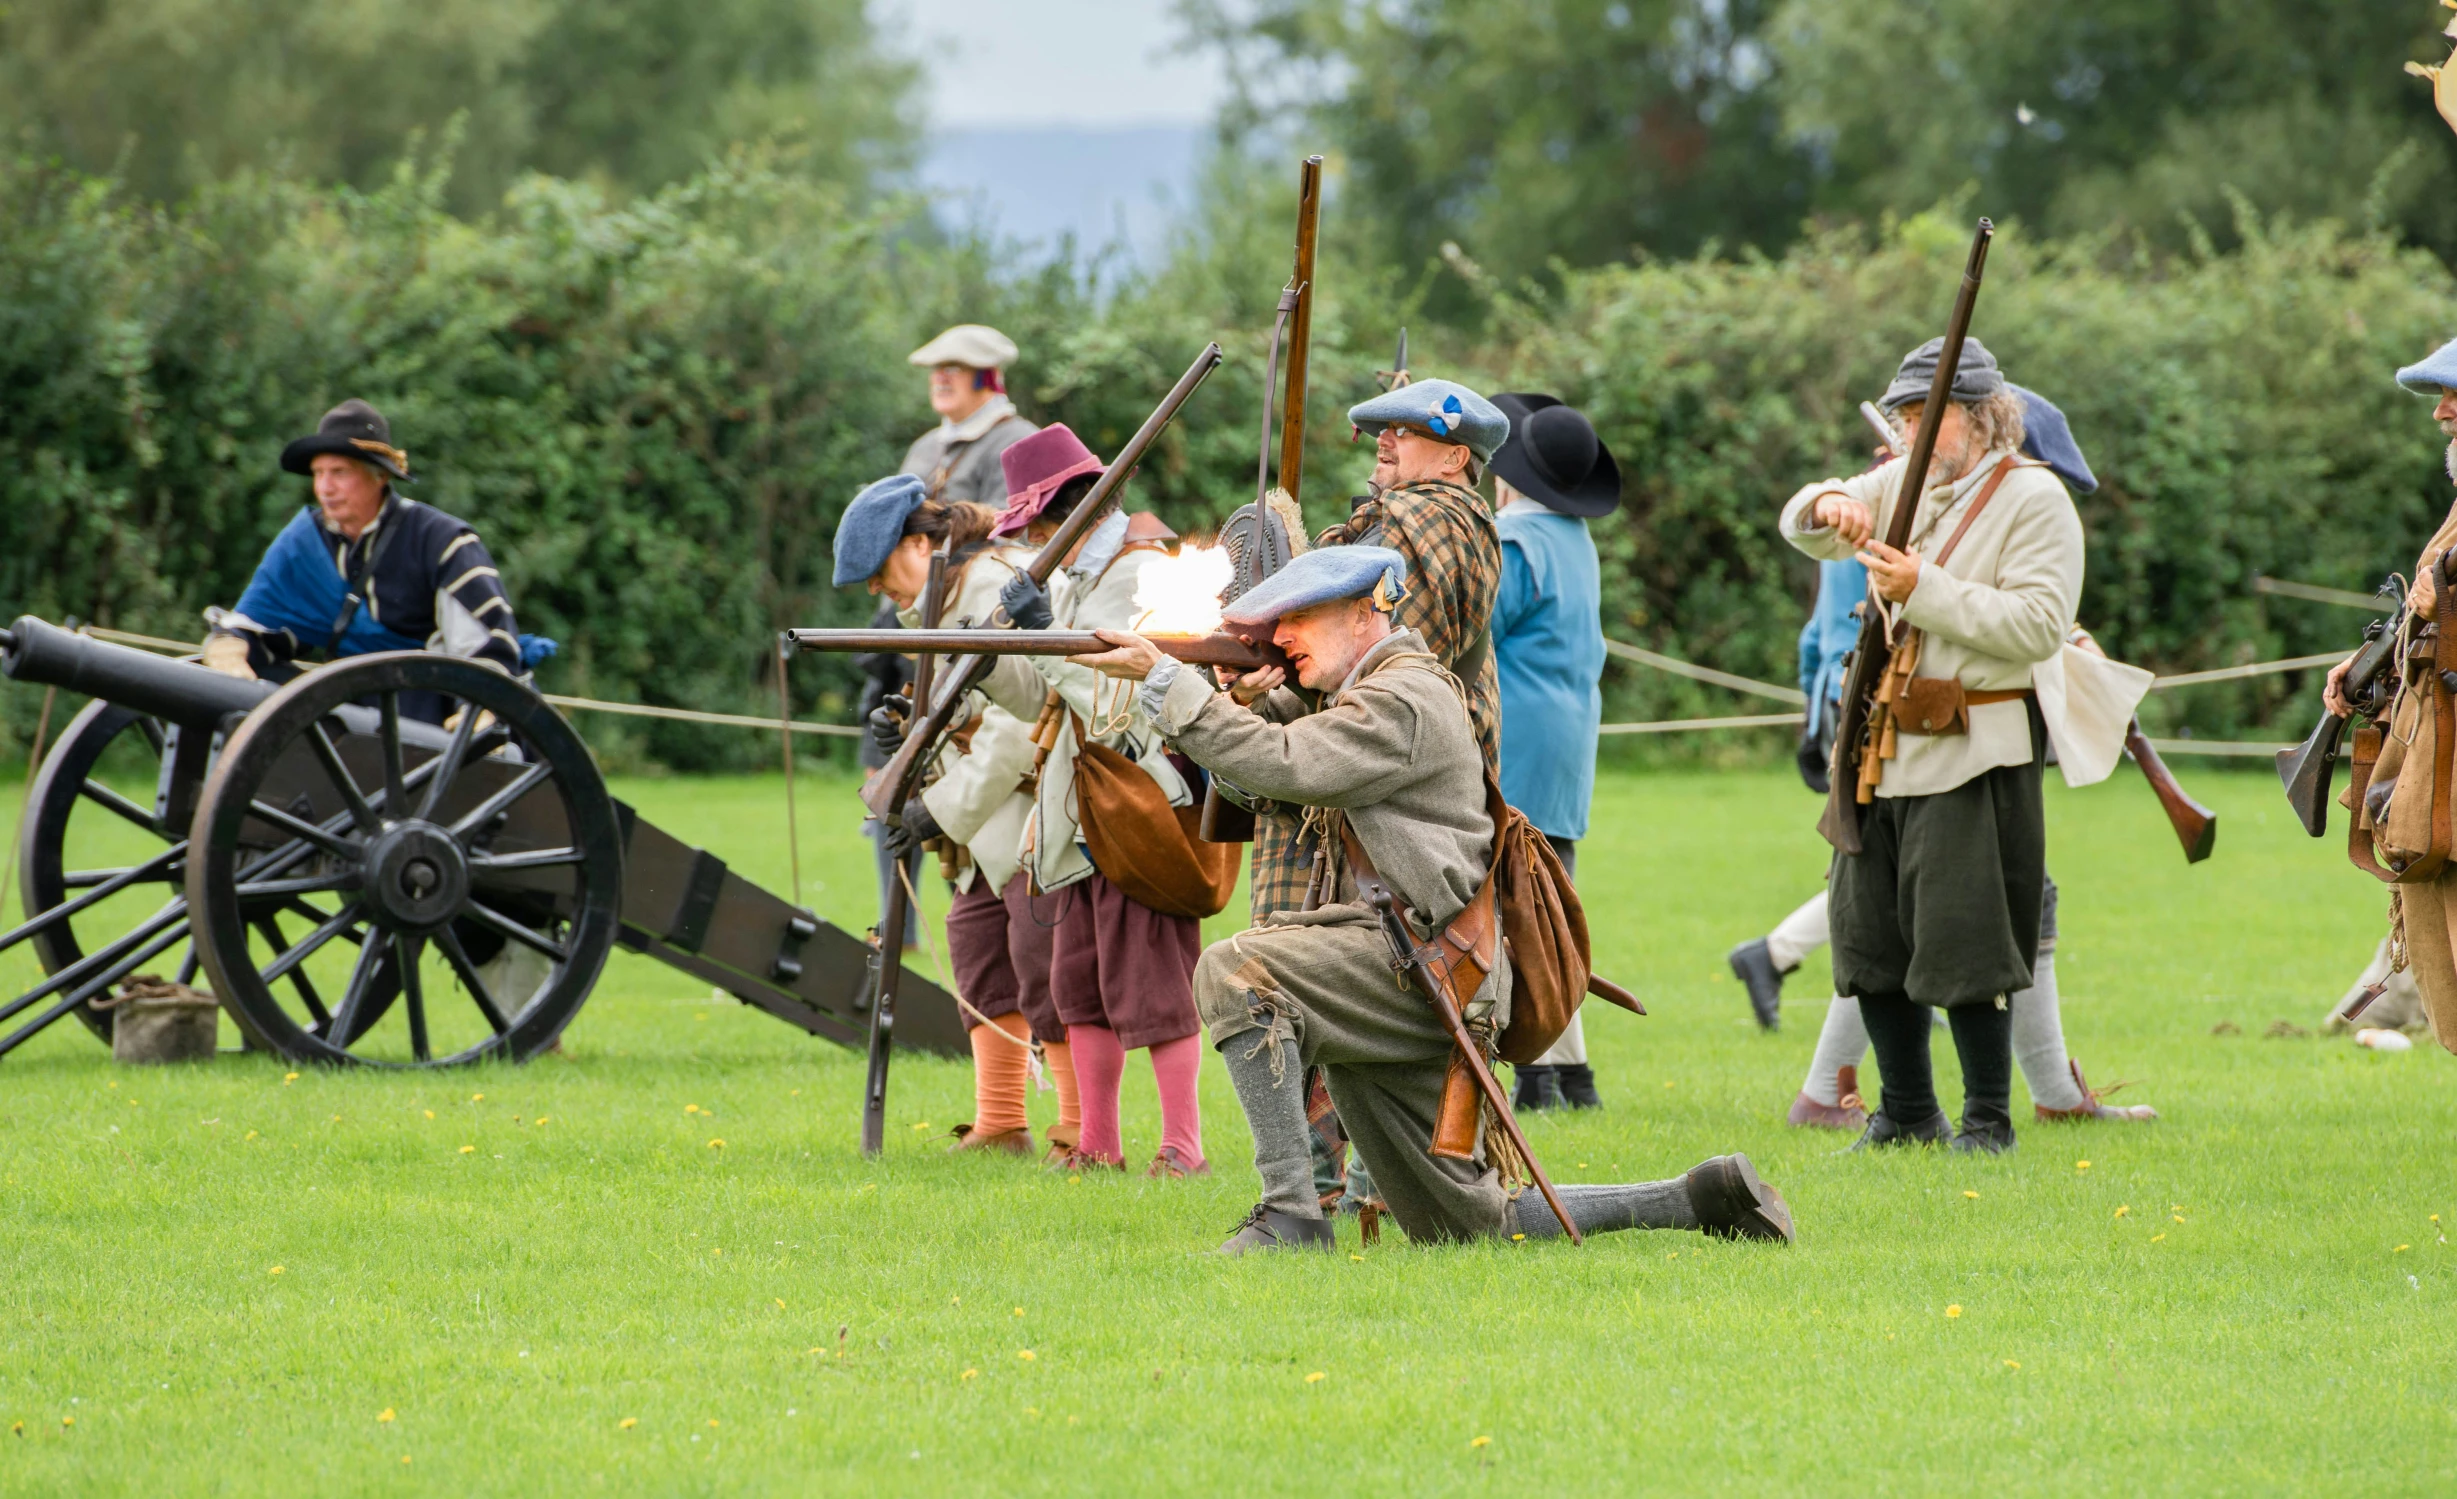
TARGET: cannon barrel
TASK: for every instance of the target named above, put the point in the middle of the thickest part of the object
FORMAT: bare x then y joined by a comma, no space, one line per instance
174,691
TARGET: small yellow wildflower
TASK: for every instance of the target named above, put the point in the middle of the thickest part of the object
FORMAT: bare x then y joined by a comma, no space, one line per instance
1967,1192
1360,1259
469,1150
1316,1377
780,1303
2154,1238
287,1079
336,1118
385,1417
2010,1364
628,1422
712,1423
430,1113
1019,1311
2401,1249
921,1127
1515,1238
404,1459
691,1108
477,1098
1488,1441
1955,1310
68,1420
276,1270
2081,1165
2124,1210
1026,1354
541,1119
2179,1217
251,1134
716,1145
970,1374
716,1251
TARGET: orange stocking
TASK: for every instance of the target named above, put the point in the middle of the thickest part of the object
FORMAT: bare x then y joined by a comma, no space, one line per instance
1061,1064
1001,1069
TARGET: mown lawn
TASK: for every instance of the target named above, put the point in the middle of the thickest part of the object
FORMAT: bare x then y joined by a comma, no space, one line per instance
553,1279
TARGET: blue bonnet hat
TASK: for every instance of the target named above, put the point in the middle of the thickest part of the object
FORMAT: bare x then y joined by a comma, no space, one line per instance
1445,408
1320,576
872,525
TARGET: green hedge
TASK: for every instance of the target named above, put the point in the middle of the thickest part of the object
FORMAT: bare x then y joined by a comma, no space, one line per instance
656,410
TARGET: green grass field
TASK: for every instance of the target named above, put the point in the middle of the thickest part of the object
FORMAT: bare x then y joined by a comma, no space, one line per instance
552,1279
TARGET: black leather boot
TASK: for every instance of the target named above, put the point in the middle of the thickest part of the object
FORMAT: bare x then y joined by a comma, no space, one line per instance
1536,1088
1578,1085
1732,1203
1984,1134
1883,1131
1754,966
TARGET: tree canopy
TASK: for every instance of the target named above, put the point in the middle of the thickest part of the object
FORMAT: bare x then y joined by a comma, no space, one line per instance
1530,131
171,94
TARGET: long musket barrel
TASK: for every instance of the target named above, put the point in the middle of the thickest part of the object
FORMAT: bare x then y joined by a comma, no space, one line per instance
1231,651
1841,824
1300,330
885,796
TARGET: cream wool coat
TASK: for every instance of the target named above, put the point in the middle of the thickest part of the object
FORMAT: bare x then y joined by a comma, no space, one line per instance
1097,594
977,798
2002,604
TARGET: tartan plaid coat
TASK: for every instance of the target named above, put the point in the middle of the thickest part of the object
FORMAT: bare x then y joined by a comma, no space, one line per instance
1454,574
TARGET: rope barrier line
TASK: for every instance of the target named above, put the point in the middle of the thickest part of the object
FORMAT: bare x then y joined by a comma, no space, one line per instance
1696,673
2315,593
1679,725
2255,669
1638,654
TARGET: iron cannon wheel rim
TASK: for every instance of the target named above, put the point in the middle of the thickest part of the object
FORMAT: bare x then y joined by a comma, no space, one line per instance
302,719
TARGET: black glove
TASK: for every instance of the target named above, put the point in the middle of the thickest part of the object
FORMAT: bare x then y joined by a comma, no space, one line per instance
1025,602
887,725
914,828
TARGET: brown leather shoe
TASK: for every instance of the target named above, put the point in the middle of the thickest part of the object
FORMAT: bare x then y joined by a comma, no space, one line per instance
1808,1113
1170,1166
1078,1162
1005,1142
2091,1108
1061,1145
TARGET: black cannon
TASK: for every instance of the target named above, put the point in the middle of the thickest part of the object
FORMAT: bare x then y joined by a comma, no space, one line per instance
322,857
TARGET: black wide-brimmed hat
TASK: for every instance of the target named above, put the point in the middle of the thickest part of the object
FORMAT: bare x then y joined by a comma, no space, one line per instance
352,429
1554,457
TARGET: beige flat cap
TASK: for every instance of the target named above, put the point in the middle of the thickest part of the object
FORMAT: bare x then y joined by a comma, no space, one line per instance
968,344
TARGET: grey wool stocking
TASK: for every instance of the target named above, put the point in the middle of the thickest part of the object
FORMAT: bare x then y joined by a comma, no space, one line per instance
1274,1101
1605,1209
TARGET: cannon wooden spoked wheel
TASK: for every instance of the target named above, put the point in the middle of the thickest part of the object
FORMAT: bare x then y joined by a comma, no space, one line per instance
98,864
477,866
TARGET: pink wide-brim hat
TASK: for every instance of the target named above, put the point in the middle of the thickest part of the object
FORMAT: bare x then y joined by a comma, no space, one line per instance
1036,467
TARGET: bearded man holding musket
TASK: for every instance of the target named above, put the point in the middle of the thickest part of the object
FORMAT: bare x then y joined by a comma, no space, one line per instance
1942,905
1391,777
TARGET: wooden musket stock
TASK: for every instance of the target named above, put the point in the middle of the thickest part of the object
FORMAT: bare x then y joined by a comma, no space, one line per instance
1232,651
885,795
1841,824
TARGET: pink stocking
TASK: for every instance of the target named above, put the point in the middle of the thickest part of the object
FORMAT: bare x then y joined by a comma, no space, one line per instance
1100,1065
1175,1066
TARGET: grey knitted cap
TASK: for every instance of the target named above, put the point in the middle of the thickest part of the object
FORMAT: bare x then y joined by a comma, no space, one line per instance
1975,379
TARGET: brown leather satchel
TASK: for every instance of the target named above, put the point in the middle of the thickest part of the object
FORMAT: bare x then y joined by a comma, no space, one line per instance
1141,844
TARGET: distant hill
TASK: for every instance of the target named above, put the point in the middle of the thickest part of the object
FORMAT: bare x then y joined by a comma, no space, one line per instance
1106,185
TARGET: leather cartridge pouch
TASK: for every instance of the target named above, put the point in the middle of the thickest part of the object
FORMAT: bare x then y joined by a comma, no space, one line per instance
1938,705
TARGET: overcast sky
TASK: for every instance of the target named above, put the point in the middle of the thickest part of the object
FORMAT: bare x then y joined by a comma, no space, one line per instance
1055,62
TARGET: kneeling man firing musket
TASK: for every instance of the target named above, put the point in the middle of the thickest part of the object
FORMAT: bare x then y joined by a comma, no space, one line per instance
1392,783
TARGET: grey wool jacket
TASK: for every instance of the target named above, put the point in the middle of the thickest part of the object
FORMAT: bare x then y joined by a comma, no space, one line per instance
1392,749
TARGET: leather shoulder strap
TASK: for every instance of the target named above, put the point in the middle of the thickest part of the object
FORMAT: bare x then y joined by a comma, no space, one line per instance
1987,492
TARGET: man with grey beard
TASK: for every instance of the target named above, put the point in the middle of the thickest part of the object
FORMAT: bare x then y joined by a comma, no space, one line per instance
2429,910
1941,907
